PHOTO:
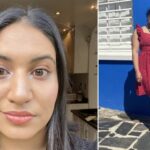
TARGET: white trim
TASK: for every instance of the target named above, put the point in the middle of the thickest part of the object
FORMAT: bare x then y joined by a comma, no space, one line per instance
117,18
120,55
115,26
117,49
121,1
117,10
122,34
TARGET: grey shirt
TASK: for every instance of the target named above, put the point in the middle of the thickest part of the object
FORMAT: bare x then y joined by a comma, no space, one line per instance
82,144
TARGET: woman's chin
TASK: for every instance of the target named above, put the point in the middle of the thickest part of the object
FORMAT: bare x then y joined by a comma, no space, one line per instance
20,134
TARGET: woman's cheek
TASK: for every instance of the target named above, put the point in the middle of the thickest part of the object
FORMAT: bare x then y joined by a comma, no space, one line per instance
48,99
4,87
51,92
47,90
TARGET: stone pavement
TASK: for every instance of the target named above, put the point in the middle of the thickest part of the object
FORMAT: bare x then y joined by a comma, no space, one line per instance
117,131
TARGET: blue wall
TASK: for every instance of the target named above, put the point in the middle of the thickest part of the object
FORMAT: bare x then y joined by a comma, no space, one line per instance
139,11
117,88
117,78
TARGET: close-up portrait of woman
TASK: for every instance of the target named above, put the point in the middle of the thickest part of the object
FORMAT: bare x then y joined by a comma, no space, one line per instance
33,79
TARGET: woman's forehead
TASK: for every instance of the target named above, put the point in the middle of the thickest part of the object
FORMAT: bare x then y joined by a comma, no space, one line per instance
22,38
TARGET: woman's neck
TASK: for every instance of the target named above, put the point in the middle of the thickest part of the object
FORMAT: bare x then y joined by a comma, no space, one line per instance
38,142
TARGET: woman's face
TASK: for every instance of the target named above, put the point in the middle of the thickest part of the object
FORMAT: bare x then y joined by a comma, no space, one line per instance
28,81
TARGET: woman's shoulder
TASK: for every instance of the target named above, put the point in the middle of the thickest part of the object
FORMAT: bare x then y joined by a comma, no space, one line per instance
139,29
144,27
82,144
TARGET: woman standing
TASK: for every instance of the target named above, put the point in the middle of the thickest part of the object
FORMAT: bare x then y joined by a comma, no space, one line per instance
141,59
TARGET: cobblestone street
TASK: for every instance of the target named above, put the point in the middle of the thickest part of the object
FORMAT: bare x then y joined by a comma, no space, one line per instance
118,132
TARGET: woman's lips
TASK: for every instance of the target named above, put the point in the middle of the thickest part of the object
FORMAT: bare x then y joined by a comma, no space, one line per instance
18,118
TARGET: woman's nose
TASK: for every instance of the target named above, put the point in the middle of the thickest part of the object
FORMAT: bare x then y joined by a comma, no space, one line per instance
20,91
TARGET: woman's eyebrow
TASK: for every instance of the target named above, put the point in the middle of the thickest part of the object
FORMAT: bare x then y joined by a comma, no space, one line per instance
5,58
43,57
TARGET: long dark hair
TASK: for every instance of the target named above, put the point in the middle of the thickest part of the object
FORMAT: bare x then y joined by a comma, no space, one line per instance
147,16
57,133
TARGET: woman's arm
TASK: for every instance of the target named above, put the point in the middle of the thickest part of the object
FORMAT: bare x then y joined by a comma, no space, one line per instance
135,55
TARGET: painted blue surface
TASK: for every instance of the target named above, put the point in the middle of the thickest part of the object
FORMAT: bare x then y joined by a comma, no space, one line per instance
139,11
112,79
117,88
117,78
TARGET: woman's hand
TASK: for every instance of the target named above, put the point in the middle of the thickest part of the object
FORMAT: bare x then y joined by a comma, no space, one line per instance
138,76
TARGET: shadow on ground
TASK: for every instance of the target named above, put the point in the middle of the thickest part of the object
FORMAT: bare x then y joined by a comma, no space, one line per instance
134,103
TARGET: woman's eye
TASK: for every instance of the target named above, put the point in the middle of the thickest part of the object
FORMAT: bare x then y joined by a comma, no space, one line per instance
41,73
3,72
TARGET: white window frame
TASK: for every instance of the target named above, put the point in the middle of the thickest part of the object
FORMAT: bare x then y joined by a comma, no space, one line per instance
111,49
